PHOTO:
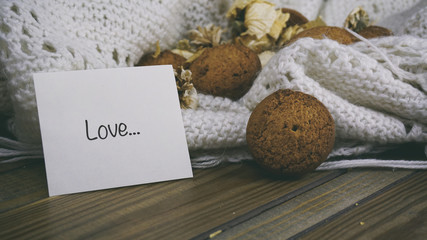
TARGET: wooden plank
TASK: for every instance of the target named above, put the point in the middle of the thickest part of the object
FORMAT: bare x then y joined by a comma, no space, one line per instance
398,212
263,208
22,184
306,210
169,210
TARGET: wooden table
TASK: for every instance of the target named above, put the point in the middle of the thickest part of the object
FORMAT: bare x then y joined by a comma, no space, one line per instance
231,201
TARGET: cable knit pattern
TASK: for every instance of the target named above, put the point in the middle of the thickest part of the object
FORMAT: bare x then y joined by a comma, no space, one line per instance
376,90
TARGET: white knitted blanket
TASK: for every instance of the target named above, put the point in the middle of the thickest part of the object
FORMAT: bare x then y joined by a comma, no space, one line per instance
375,90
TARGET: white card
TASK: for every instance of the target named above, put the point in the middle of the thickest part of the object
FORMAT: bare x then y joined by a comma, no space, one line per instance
111,128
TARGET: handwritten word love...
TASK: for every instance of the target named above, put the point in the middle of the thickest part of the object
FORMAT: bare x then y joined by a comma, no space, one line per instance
103,132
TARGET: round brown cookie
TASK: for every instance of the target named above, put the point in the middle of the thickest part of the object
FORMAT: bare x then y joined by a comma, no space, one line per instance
375,31
290,133
335,33
164,58
227,70
295,17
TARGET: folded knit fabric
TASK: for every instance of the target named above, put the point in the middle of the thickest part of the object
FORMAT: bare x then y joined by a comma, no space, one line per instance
375,90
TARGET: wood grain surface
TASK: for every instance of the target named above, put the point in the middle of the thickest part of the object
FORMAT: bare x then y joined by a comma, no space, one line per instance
316,205
397,212
170,210
232,201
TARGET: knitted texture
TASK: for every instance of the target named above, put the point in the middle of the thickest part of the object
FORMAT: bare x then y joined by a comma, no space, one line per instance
375,90
364,98
336,11
69,35
309,8
412,21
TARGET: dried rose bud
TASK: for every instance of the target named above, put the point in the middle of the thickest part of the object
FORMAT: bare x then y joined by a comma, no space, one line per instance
208,36
199,38
258,24
357,20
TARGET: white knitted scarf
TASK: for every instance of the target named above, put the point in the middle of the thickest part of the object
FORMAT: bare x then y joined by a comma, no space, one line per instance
375,90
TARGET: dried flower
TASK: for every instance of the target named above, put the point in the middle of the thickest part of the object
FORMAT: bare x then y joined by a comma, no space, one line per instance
199,38
186,92
184,49
262,18
357,20
292,31
195,55
289,33
208,36
184,44
258,23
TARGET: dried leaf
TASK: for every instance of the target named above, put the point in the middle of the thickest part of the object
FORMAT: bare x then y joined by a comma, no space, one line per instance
185,53
158,50
184,44
195,55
